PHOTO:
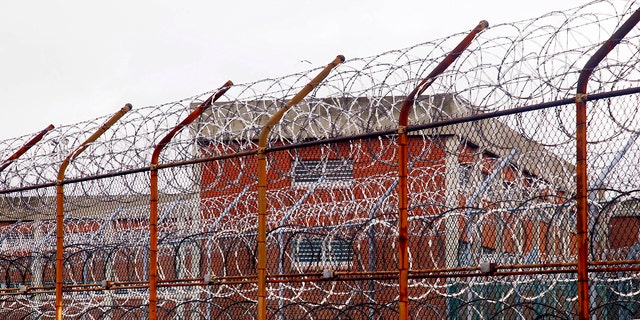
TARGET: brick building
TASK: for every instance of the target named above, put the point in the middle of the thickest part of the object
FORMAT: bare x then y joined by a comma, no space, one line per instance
479,192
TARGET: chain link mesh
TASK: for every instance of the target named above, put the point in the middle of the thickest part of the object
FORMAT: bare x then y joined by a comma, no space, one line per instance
492,209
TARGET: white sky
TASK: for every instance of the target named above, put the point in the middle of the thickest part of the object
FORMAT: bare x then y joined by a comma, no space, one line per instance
63,62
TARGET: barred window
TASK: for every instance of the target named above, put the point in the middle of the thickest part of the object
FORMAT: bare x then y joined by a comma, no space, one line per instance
14,239
314,252
332,172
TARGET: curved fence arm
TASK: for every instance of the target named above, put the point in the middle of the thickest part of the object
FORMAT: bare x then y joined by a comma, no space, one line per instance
441,67
262,183
403,193
192,116
264,133
60,201
153,203
581,161
25,147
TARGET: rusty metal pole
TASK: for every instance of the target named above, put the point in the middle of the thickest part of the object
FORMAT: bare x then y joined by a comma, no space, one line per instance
153,202
581,161
262,183
403,167
60,201
25,147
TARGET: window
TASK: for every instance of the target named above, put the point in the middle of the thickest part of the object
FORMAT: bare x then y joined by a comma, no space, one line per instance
482,254
332,172
491,191
315,252
465,183
16,241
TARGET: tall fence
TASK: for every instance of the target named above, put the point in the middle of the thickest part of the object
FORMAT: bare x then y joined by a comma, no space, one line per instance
468,210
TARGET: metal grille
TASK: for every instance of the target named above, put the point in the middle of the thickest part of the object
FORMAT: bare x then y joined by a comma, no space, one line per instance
321,253
328,172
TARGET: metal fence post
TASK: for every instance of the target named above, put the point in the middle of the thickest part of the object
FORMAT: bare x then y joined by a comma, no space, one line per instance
582,195
60,202
403,142
153,202
262,184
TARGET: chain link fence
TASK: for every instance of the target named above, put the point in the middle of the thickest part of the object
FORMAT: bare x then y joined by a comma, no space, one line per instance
490,192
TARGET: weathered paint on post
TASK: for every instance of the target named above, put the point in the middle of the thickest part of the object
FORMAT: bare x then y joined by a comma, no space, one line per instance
582,182
25,147
60,201
403,165
153,202
262,183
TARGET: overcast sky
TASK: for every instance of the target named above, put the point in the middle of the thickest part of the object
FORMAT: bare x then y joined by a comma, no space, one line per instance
62,62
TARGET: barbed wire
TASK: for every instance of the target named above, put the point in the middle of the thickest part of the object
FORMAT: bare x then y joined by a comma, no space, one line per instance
497,191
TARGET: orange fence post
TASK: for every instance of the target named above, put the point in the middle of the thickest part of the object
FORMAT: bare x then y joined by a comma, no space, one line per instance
403,168
581,161
153,203
60,201
262,183
25,147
